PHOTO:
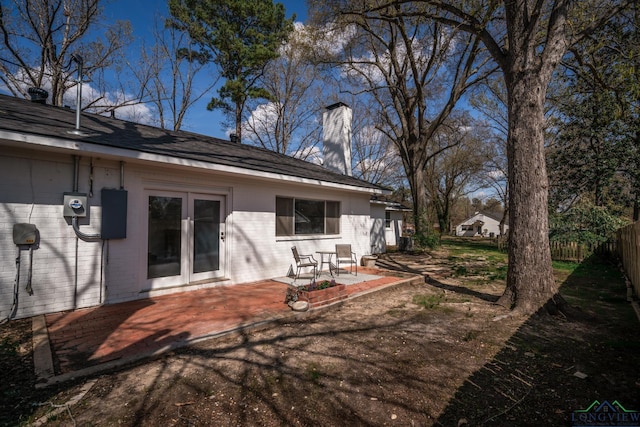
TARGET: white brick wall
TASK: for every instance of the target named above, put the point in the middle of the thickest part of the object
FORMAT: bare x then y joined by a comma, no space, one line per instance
64,278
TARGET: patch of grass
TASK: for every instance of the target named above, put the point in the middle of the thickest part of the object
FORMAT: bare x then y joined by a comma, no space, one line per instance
313,373
588,268
565,266
460,270
8,348
477,258
499,273
396,312
428,301
478,247
9,352
594,286
470,336
603,271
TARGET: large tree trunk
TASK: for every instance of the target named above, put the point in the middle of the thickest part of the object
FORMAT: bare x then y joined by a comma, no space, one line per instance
238,117
530,281
419,195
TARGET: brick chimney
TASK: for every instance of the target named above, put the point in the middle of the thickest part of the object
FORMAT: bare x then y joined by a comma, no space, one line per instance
336,138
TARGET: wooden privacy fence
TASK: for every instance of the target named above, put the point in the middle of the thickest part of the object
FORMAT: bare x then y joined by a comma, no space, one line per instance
571,251
628,239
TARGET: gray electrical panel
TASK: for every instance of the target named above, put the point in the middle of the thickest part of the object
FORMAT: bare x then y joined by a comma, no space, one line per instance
114,214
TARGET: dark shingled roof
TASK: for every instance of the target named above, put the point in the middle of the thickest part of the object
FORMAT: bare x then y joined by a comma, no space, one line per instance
23,116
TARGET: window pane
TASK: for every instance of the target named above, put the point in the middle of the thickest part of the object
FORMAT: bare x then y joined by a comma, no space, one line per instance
333,217
309,217
163,257
284,216
206,230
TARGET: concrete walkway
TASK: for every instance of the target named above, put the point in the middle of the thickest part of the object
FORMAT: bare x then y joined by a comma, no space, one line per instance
87,341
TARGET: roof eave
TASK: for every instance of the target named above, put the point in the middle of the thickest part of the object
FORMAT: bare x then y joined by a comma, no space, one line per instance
86,148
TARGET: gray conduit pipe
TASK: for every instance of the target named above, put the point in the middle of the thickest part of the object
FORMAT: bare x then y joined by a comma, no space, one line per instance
81,235
29,277
76,172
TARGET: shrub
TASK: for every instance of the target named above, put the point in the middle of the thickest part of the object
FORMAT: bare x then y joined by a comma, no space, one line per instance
586,224
426,239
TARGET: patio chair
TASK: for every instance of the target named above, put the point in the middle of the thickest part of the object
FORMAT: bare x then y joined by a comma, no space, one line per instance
304,261
344,255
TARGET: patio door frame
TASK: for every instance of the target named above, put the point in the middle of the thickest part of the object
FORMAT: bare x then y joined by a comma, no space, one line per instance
187,238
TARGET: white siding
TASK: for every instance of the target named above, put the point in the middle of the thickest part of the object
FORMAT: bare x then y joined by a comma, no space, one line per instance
378,233
69,273
394,231
470,226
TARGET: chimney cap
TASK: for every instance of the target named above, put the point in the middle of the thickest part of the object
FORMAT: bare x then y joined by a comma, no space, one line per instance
337,105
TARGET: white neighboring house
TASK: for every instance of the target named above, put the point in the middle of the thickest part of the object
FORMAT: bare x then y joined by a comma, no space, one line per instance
387,225
480,224
103,211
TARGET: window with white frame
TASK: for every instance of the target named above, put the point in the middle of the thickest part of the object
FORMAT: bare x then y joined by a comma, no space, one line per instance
306,217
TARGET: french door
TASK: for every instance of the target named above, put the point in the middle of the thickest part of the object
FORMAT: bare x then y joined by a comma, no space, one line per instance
185,237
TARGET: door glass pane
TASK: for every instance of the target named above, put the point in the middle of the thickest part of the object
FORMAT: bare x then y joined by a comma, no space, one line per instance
206,232
165,214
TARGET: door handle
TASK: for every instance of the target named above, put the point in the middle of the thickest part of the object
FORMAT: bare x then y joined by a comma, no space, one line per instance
222,236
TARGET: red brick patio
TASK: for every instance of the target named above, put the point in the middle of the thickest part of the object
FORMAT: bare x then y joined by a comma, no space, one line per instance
87,337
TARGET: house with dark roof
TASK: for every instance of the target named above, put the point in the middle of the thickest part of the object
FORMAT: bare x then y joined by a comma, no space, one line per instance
96,210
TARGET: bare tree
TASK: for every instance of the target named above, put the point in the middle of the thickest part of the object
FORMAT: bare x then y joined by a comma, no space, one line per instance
374,155
454,173
527,40
166,74
490,101
40,38
412,70
288,123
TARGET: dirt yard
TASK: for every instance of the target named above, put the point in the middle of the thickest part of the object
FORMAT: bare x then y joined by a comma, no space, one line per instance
435,354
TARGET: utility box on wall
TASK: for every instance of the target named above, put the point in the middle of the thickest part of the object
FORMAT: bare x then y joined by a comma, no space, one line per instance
74,204
114,214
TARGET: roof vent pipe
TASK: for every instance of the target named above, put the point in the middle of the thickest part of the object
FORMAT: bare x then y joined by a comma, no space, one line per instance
38,95
78,60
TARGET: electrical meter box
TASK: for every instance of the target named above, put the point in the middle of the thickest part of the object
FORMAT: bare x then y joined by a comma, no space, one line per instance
75,204
114,214
25,234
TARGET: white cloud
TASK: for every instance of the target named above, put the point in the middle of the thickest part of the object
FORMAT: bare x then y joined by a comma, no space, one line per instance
497,174
330,39
262,119
129,107
310,154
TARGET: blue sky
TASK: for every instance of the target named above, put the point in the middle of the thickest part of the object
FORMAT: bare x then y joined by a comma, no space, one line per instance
141,14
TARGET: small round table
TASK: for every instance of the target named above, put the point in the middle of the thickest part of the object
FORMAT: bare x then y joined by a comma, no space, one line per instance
322,254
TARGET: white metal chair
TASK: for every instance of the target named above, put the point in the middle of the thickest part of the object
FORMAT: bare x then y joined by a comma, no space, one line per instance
304,261
344,255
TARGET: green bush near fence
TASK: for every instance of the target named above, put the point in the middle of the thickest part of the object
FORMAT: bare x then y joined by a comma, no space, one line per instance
584,225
